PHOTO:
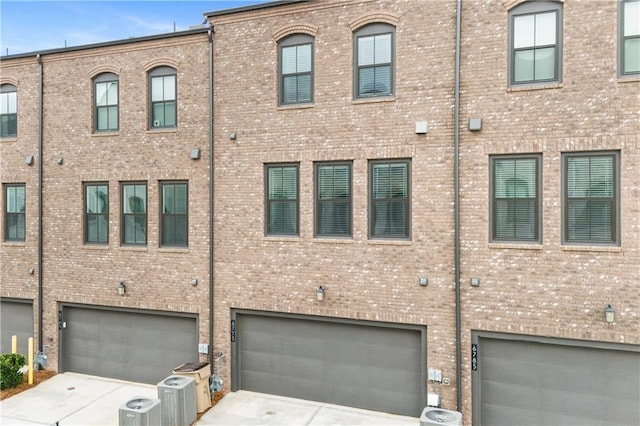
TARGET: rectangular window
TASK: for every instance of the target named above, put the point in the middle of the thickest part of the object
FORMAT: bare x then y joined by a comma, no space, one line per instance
106,105
515,198
174,214
282,199
591,198
96,213
630,37
134,213
333,200
163,101
296,70
8,111
14,217
390,198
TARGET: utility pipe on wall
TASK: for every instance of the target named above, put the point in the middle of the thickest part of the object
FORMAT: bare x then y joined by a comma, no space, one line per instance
456,191
211,201
40,200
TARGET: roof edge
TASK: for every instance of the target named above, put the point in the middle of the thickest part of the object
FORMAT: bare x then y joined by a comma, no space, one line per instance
107,43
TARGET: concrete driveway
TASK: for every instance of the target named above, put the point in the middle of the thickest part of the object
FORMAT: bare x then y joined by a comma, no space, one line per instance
77,399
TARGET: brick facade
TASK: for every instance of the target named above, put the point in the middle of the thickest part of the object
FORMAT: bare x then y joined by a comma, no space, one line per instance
547,289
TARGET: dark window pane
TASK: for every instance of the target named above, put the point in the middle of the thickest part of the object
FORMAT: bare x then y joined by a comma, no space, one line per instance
282,199
390,192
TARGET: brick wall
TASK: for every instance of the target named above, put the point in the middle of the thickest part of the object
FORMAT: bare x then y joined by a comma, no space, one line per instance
547,289
17,258
156,278
363,278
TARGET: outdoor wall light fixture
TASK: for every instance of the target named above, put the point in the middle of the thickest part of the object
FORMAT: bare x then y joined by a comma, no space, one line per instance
60,161
31,271
320,293
233,136
194,282
195,154
609,314
122,289
28,160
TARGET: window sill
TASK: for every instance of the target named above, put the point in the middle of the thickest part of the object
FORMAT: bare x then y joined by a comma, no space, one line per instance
528,87
282,238
606,249
335,240
95,246
9,139
104,134
14,243
287,107
389,242
374,100
134,248
515,246
173,249
163,130
633,78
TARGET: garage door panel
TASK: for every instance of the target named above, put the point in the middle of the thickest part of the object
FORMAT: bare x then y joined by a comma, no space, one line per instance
129,345
524,381
16,319
335,362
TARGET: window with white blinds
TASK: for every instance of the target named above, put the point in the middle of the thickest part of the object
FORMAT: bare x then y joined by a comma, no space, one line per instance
515,198
591,199
333,200
389,208
282,199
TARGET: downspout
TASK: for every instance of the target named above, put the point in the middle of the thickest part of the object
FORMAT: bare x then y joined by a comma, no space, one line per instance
40,201
456,203
211,193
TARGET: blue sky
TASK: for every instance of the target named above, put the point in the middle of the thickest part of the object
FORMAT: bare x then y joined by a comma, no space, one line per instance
29,26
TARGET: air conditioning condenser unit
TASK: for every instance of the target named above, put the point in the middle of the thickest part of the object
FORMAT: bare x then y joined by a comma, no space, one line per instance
140,411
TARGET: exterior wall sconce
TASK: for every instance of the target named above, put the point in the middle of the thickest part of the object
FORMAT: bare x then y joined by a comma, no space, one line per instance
60,161
122,289
194,282
233,136
320,293
475,282
195,154
424,281
609,314
28,160
31,271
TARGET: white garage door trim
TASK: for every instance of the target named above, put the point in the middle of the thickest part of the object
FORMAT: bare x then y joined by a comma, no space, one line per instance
371,365
538,380
127,344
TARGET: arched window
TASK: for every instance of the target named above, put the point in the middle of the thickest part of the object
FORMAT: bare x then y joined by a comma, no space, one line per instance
106,102
8,111
162,98
295,55
374,64
535,43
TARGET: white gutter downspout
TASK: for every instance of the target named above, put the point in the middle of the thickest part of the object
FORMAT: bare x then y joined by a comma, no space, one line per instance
456,191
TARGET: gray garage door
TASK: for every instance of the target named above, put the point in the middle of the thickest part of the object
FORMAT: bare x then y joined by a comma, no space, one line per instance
364,365
541,383
137,346
16,318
